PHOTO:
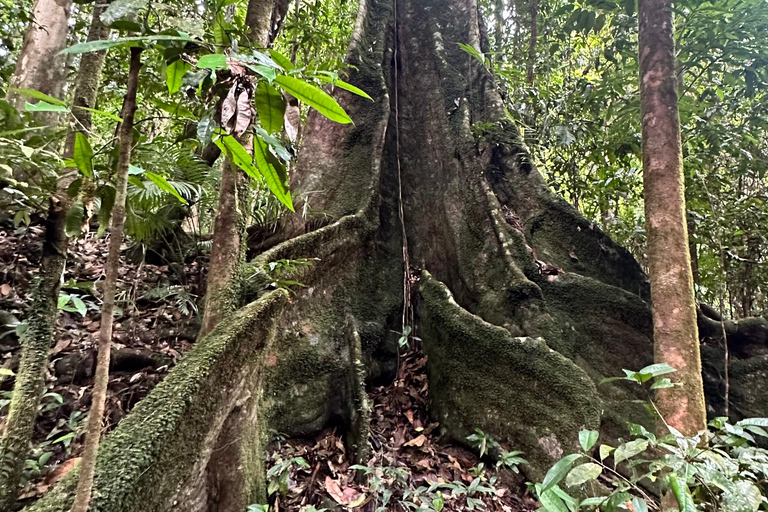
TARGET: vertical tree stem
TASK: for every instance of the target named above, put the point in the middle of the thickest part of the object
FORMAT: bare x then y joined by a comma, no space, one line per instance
112,266
676,340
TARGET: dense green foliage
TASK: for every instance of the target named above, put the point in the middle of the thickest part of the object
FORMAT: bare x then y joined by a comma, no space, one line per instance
718,469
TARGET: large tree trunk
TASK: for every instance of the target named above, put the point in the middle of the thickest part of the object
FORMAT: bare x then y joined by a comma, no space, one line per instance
39,65
38,338
522,304
676,339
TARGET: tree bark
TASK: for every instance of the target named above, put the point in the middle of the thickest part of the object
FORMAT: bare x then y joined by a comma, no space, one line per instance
498,31
534,12
38,338
228,248
676,340
111,270
39,65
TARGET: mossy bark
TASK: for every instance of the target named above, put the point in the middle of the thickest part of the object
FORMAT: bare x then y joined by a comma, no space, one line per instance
38,338
157,457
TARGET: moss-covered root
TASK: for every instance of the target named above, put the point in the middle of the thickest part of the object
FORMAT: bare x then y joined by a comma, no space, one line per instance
359,406
155,458
517,389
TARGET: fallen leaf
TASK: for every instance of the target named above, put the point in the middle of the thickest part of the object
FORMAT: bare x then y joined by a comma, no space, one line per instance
417,441
61,470
334,490
61,344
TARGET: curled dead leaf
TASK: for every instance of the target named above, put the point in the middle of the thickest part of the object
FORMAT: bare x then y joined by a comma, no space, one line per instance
417,441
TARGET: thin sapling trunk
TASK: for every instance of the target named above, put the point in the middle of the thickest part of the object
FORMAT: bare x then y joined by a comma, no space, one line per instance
93,433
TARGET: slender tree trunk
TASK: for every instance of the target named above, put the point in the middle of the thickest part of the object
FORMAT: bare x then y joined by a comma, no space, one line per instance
39,65
676,340
228,249
112,266
258,20
38,338
534,11
498,31
295,40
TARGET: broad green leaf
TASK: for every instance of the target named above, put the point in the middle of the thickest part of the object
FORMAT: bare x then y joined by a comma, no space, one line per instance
44,106
96,46
27,151
756,430
605,451
79,305
551,502
63,300
220,32
657,369
268,168
163,185
237,153
212,61
272,171
593,502
557,472
341,84
174,73
757,422
662,384
639,505
74,219
265,60
583,473
281,60
314,97
629,450
38,95
83,155
682,494
206,127
275,144
101,113
744,497
587,439
270,106
267,72
569,500
7,372
471,50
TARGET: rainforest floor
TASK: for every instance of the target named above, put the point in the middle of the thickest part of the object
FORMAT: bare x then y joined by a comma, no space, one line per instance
156,325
